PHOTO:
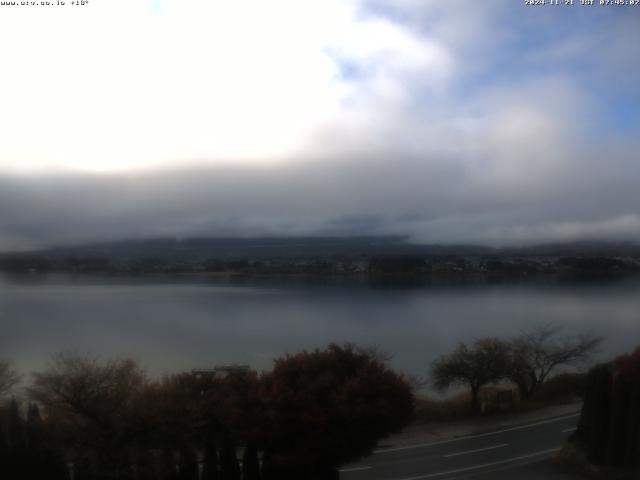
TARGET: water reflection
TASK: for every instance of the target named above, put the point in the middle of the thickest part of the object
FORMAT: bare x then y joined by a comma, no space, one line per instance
173,324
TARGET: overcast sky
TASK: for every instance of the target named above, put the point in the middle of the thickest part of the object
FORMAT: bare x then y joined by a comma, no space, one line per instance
449,121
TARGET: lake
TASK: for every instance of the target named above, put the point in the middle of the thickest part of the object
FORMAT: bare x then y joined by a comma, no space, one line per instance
171,325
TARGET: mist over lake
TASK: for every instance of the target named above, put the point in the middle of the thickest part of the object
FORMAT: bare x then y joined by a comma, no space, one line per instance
175,324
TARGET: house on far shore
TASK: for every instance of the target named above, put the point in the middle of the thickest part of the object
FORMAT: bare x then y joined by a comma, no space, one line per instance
220,371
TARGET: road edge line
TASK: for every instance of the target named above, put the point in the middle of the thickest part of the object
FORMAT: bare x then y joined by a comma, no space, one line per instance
484,465
479,435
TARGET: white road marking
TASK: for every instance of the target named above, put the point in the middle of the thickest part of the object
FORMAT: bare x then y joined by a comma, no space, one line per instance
354,469
484,465
568,430
467,437
500,468
457,454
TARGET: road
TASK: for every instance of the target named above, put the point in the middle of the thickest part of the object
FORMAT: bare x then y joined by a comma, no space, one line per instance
521,451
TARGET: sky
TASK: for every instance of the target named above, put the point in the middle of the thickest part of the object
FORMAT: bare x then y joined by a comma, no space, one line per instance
485,122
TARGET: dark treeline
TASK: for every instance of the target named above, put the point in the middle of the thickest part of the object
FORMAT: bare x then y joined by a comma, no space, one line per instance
382,259
107,420
378,269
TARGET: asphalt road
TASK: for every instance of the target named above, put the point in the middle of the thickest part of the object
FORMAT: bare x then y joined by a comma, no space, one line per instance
522,451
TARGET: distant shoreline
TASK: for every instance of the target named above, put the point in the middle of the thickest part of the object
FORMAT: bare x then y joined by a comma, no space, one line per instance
377,260
408,280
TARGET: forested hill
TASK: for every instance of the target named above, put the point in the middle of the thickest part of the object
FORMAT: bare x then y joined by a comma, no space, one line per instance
196,249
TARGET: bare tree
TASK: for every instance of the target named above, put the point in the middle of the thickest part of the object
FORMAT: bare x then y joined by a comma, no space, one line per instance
485,362
377,353
417,382
536,353
92,407
9,378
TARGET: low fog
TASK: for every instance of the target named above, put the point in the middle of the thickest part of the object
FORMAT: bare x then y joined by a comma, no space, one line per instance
447,200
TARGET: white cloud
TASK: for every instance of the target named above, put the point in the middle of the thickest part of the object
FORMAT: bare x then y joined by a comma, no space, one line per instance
124,83
625,227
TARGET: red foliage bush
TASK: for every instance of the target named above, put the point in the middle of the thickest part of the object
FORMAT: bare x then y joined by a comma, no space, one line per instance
629,366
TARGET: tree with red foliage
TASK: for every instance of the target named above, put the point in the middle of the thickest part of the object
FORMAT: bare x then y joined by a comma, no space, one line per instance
609,427
237,406
327,408
629,366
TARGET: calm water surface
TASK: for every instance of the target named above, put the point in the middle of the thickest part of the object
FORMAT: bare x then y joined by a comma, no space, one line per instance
173,325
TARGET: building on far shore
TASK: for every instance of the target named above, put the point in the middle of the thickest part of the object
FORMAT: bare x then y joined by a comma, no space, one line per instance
220,371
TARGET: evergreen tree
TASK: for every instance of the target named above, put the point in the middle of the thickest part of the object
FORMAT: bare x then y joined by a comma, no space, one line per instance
188,464
35,429
250,464
210,461
16,441
144,465
167,465
229,467
16,430
4,447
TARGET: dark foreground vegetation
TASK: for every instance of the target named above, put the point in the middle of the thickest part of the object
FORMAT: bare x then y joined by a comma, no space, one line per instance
107,420
86,419
607,441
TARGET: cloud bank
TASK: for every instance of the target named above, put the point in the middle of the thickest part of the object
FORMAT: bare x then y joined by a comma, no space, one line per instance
445,121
